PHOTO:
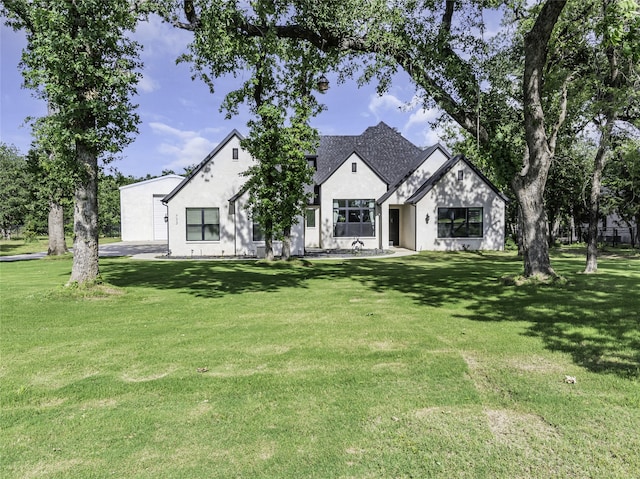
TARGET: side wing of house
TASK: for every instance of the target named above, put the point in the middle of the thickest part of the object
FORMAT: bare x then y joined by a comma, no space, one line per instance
348,210
142,214
398,217
458,208
201,221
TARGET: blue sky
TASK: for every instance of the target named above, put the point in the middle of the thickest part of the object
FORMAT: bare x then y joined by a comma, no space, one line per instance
180,118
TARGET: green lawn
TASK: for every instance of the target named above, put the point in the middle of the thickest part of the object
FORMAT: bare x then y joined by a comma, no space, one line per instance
422,366
38,245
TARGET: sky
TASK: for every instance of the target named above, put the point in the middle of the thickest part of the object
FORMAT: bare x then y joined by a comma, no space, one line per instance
181,120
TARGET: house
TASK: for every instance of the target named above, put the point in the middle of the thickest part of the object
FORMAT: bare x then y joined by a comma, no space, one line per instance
142,213
376,190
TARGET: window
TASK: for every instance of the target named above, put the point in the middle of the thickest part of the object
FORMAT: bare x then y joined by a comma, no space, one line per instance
234,153
310,217
203,224
354,218
460,223
258,232
354,167
460,175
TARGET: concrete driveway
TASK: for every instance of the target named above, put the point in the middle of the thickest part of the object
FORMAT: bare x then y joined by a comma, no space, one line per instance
123,248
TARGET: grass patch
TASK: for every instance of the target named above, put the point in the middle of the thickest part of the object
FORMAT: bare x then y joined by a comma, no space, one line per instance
37,245
422,366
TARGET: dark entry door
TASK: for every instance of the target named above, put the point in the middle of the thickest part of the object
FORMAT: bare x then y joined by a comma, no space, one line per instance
394,227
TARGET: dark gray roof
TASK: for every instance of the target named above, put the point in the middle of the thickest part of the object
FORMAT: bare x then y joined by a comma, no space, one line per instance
382,148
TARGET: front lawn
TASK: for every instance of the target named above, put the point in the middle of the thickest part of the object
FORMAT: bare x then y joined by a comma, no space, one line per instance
37,245
422,366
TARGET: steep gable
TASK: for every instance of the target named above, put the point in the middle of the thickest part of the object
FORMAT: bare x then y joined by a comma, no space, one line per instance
385,151
444,169
202,164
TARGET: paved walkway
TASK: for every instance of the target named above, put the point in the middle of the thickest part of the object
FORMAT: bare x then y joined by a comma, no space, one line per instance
157,250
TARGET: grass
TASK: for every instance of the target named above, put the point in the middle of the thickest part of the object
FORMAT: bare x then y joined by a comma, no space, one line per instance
423,366
38,245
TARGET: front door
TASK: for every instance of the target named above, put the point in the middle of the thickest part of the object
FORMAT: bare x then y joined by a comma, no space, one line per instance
394,227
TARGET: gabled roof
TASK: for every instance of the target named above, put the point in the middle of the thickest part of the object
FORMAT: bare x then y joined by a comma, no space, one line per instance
151,180
381,147
202,164
425,156
443,170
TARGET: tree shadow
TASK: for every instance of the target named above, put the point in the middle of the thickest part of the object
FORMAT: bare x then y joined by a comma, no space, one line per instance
593,318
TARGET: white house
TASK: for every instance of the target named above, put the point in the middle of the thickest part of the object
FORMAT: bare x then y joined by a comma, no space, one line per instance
377,189
142,213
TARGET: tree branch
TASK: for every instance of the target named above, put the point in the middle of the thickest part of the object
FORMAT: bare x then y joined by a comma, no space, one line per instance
562,115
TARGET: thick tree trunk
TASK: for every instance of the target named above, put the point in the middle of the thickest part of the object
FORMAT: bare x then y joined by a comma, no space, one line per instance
85,267
55,227
530,182
535,246
286,244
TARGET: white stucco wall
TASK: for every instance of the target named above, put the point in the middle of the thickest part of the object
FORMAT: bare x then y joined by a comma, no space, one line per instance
244,244
211,187
472,191
347,185
136,206
418,177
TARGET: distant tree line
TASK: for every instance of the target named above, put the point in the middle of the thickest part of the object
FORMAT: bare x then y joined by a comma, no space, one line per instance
24,196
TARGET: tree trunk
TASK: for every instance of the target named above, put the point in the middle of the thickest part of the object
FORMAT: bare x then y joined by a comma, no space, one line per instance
268,240
594,203
85,267
286,244
55,226
535,247
530,182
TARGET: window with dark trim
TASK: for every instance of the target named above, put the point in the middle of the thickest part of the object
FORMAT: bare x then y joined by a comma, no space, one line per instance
354,218
460,175
310,217
203,224
257,233
460,222
234,153
354,167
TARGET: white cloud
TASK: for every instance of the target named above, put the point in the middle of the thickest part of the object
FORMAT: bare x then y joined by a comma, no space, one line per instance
147,84
379,104
159,38
182,148
418,127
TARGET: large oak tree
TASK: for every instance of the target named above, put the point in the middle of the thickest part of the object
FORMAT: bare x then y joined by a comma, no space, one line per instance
81,60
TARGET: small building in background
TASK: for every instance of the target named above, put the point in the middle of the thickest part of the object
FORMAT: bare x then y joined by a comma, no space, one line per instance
142,213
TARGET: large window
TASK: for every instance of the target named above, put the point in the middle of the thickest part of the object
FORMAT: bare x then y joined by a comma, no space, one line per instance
203,224
354,218
460,223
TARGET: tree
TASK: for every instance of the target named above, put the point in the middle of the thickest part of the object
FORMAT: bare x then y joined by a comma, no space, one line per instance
621,183
440,55
109,200
616,88
14,189
80,59
278,93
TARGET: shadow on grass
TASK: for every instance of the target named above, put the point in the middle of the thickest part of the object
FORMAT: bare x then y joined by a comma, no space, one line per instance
594,318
